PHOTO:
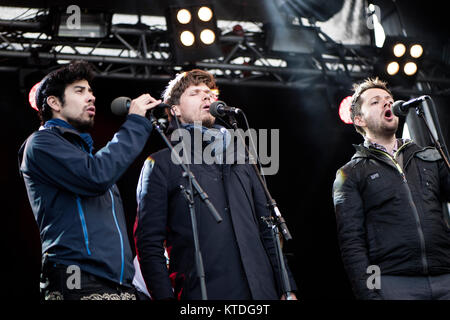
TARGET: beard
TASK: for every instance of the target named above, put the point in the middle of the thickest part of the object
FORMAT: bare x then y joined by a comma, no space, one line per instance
207,121
82,125
382,128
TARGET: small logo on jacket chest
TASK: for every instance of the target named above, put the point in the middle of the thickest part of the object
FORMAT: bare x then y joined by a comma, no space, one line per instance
374,176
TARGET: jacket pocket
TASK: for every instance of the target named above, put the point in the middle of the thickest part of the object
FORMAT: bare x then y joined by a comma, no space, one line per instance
429,178
377,192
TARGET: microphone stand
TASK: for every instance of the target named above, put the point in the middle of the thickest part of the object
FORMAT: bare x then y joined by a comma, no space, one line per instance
189,196
279,221
421,114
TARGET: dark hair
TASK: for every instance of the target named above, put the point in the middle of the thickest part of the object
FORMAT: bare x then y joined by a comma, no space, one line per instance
55,83
359,88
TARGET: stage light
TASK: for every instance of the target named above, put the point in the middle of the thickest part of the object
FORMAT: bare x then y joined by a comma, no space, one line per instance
392,68
345,111
187,38
193,32
205,14
399,50
183,16
416,51
400,60
32,96
410,68
207,36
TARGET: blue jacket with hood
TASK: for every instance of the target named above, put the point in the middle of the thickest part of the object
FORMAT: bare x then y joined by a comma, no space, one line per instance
75,201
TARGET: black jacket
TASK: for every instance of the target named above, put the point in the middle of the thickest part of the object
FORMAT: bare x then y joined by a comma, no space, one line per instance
238,254
75,201
390,216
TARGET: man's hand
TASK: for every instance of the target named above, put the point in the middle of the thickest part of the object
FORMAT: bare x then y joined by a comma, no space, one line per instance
141,104
292,296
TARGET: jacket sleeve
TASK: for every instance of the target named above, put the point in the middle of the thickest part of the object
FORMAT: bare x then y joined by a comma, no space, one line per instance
150,229
352,233
260,201
51,159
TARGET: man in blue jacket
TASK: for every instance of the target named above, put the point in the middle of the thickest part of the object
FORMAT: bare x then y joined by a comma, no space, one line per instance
72,191
239,257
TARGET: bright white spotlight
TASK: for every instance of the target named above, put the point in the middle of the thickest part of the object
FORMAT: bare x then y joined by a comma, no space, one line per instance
205,14
187,38
207,36
416,51
399,50
392,68
410,68
183,16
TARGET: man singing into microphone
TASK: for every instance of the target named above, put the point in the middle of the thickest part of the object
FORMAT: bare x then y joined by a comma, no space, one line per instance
388,202
239,256
72,191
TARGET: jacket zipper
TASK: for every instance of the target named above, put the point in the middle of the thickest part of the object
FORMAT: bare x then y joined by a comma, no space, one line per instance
411,202
120,236
83,225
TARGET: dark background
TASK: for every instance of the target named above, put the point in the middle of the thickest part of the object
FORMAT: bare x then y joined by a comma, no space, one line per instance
314,143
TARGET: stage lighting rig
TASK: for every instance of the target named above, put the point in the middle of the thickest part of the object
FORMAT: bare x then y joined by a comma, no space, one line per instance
400,59
193,31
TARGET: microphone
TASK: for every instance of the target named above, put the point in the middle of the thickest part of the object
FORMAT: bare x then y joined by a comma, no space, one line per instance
121,105
400,107
219,109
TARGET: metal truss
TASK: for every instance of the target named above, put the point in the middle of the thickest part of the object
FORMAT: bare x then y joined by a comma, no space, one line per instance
143,52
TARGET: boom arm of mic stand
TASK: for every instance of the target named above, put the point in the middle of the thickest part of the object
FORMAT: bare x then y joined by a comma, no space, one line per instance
187,173
272,204
279,223
190,199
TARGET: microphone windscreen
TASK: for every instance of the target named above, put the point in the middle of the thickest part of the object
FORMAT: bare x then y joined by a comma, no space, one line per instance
397,108
120,106
214,108
163,105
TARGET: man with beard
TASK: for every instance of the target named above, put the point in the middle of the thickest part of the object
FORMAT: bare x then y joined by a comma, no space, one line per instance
72,191
239,257
388,203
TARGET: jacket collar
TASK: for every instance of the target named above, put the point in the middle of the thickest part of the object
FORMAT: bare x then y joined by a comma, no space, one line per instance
408,148
65,129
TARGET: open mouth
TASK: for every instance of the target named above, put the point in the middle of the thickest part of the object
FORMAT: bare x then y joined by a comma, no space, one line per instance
388,114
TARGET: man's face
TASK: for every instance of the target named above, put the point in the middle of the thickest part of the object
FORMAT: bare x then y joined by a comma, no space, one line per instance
377,117
78,108
194,105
